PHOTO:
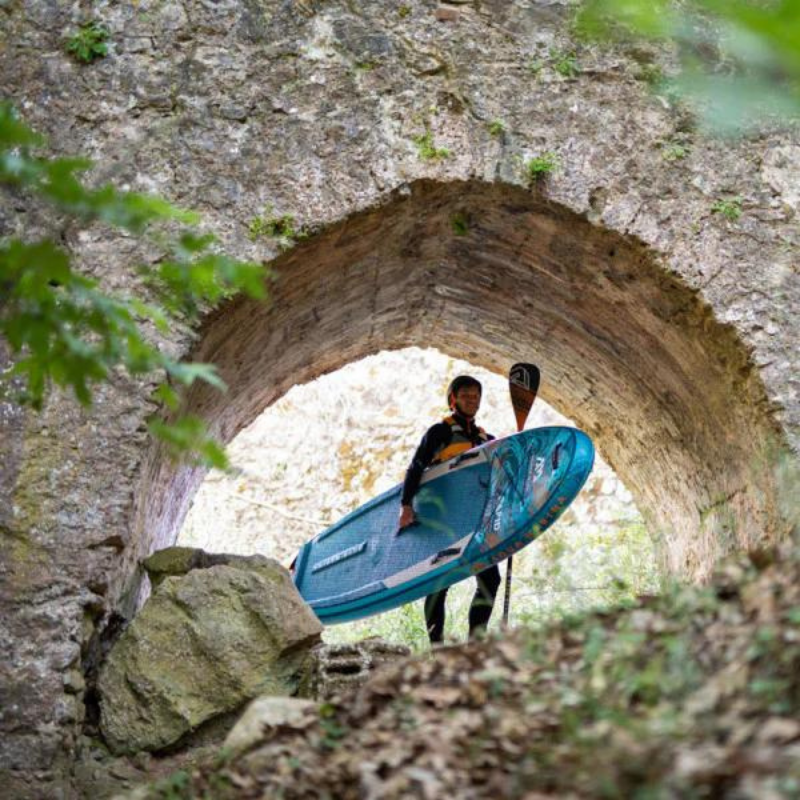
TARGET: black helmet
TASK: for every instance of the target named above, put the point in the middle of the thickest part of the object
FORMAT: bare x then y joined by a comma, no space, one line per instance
461,382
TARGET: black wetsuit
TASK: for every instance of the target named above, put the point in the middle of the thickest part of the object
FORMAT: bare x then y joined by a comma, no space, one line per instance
436,439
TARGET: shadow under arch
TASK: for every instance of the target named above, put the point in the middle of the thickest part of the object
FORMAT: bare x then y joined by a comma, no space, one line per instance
494,274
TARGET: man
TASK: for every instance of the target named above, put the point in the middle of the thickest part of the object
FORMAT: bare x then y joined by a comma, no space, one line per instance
455,434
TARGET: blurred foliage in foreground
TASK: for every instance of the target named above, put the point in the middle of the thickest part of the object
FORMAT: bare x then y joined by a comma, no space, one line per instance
64,329
740,58
693,694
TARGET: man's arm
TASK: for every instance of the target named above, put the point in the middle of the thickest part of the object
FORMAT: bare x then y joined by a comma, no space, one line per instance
434,439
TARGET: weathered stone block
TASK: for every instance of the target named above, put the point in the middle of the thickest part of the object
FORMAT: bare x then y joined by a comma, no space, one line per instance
203,645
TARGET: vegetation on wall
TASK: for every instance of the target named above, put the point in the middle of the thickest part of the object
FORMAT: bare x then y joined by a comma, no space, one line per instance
281,227
64,329
427,149
730,208
541,166
89,42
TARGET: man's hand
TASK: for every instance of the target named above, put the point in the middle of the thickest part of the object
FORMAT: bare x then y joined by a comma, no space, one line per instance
407,517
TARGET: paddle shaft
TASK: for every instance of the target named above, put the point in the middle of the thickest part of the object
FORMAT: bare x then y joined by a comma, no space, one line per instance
523,383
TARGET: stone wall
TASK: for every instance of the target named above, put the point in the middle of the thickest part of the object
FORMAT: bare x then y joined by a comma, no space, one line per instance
667,332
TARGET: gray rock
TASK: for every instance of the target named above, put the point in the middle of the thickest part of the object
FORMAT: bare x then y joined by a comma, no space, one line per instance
269,713
173,561
203,645
339,669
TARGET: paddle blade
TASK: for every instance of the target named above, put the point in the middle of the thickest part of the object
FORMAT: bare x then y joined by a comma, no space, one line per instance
523,383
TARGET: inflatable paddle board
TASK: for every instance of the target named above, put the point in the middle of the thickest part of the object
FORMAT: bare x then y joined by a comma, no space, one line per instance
473,511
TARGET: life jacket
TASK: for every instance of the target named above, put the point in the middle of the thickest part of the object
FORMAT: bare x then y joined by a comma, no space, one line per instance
460,441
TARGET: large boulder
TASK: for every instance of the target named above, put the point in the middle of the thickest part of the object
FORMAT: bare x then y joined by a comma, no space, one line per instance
179,560
203,645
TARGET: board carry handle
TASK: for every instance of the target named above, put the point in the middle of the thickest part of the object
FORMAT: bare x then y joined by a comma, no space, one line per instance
448,551
458,460
556,455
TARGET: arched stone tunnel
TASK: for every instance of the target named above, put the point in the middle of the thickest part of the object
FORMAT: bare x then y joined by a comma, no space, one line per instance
666,331
627,350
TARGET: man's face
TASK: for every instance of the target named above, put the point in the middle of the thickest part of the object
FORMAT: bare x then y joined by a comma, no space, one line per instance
468,400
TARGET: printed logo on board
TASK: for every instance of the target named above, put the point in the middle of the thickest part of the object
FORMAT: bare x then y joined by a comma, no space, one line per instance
497,521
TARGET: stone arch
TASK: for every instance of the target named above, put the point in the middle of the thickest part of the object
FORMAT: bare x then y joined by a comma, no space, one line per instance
627,349
682,346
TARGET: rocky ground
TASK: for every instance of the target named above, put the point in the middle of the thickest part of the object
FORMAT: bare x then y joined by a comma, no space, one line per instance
692,694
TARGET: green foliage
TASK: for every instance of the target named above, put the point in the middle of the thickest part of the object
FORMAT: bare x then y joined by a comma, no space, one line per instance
793,616
535,66
89,42
565,63
404,625
282,227
460,223
565,571
332,730
63,329
426,148
541,166
188,435
497,127
730,208
651,74
674,151
404,11
176,786
740,59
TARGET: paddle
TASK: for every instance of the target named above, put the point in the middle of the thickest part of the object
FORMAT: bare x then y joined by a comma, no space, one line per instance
523,384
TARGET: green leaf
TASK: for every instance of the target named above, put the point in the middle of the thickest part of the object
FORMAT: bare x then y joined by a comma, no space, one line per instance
188,437
758,44
188,372
89,42
649,18
63,329
167,395
152,312
191,243
14,132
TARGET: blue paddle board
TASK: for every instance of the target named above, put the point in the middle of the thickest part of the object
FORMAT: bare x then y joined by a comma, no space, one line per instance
473,511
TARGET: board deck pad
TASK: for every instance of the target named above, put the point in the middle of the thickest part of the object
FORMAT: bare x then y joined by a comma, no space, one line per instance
473,511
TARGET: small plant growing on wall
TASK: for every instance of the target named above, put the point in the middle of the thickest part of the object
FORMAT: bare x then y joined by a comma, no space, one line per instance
535,66
565,63
730,208
674,151
541,166
497,127
651,74
426,148
459,222
89,43
282,227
